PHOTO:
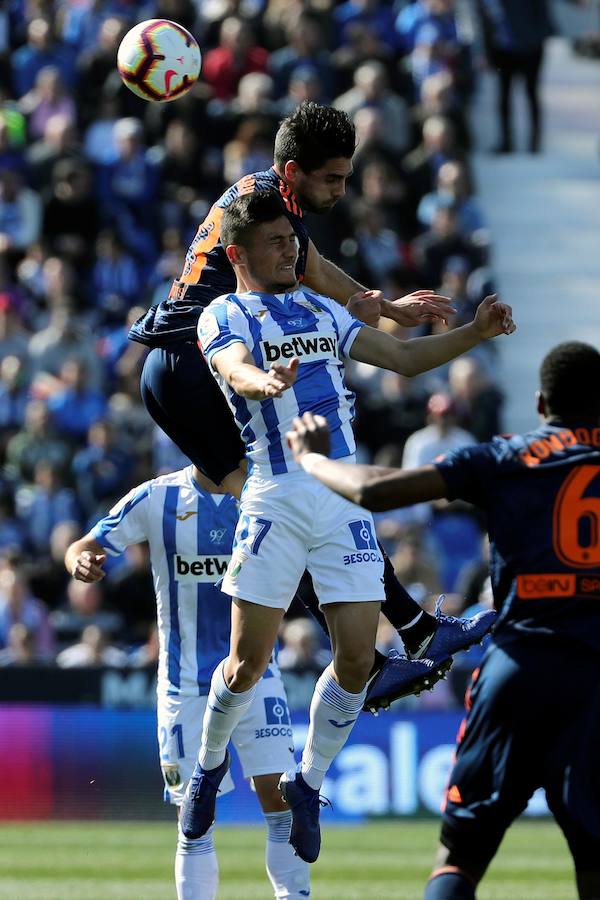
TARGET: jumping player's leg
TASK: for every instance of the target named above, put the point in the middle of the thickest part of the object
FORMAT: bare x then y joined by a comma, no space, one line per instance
233,685
289,875
253,634
264,744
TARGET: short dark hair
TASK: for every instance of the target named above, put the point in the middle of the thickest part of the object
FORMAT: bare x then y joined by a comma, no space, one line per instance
248,211
313,134
570,380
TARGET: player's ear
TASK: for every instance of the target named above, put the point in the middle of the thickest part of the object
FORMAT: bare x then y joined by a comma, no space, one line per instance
235,254
290,171
540,403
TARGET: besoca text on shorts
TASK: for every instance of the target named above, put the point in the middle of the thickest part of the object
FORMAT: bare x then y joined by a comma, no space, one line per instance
370,556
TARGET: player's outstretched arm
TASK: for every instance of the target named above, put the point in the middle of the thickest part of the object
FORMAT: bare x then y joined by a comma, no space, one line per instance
236,365
84,559
326,278
421,354
374,487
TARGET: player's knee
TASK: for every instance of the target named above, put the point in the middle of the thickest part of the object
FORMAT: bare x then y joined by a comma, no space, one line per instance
246,672
353,667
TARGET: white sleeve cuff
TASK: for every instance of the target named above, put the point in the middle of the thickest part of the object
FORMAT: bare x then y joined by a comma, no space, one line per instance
310,460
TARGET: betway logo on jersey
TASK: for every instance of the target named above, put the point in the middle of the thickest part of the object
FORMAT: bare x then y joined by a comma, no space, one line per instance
200,568
314,347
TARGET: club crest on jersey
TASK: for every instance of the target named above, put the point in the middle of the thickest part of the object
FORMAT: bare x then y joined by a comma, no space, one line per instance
313,347
208,329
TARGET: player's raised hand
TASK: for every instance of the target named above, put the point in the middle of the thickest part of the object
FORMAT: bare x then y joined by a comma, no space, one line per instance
280,378
310,434
88,566
366,306
493,318
417,308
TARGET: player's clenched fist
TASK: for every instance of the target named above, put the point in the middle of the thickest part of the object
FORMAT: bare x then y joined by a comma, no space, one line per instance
493,318
88,566
309,435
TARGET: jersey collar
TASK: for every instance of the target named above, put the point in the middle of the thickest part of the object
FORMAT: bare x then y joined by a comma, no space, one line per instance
290,200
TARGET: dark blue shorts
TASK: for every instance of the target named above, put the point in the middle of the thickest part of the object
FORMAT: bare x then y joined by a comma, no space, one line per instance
184,399
532,712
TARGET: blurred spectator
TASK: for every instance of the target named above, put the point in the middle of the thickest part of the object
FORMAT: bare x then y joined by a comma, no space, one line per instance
11,153
371,90
18,605
96,64
437,14
101,471
440,435
373,14
21,648
514,36
301,660
75,406
453,185
48,97
20,212
84,606
379,245
92,650
435,247
416,569
130,589
14,395
99,142
477,401
421,165
13,336
438,97
70,213
35,443
304,51
116,282
127,189
47,574
12,532
148,653
236,55
41,50
59,142
251,150
45,504
64,338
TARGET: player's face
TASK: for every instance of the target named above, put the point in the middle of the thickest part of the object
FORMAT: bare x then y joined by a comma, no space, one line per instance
271,256
320,190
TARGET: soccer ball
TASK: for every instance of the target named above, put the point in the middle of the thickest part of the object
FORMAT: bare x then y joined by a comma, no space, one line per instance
159,60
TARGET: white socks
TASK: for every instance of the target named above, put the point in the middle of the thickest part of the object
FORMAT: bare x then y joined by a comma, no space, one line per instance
288,874
196,868
223,712
333,712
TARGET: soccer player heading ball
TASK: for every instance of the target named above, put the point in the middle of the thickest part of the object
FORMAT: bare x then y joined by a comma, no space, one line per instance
276,350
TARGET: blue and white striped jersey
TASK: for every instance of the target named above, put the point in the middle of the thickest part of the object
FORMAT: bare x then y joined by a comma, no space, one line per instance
274,328
190,533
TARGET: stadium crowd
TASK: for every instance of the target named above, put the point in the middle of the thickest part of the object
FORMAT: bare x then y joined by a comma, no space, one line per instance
100,196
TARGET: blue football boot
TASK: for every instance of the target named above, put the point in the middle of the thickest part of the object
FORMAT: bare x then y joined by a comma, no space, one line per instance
453,634
399,677
198,807
305,805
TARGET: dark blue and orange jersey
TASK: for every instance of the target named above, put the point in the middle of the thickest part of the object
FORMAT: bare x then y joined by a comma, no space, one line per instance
207,273
541,493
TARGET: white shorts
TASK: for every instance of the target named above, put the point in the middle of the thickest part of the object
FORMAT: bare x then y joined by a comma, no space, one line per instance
263,738
292,522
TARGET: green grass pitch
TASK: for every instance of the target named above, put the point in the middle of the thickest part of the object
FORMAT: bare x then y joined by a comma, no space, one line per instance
391,861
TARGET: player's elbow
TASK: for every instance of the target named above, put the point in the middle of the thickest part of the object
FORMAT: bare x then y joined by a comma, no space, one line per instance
368,495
